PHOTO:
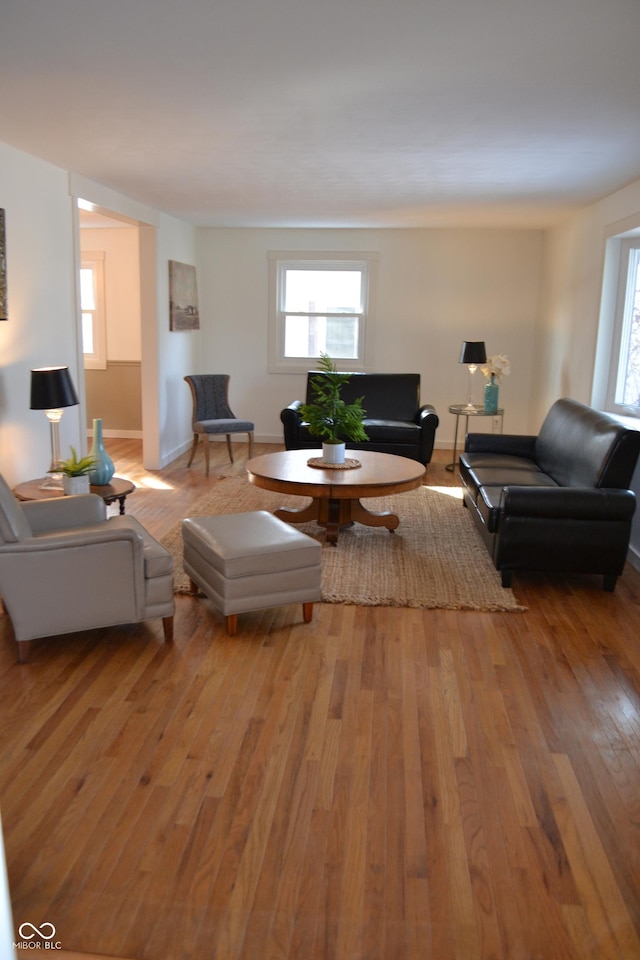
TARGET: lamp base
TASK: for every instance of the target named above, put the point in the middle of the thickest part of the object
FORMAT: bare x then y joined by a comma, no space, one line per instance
53,482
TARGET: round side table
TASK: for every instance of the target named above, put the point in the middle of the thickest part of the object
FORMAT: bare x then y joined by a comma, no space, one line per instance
119,489
464,410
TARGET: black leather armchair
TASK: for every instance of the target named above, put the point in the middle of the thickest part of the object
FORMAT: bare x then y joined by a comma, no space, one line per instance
556,501
395,422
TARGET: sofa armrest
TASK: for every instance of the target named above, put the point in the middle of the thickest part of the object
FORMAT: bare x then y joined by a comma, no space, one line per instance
567,503
428,421
510,444
63,513
291,420
87,537
293,408
426,413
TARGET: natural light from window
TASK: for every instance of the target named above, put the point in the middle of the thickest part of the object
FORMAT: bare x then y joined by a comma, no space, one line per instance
319,303
322,309
88,305
94,332
628,379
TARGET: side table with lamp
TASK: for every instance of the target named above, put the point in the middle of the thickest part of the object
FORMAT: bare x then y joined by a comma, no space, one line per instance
474,354
52,390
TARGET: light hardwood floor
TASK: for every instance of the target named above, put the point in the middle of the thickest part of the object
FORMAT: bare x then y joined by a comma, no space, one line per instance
382,783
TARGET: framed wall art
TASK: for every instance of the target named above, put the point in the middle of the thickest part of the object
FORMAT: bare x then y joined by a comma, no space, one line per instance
183,297
4,307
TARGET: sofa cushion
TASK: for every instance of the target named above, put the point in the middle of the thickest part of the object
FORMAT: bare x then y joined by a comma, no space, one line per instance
489,476
399,430
501,461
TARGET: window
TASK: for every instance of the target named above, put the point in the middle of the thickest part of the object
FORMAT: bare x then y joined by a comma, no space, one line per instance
94,336
320,303
624,376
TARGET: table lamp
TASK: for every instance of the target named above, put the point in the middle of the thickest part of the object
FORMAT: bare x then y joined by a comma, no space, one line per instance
51,390
473,353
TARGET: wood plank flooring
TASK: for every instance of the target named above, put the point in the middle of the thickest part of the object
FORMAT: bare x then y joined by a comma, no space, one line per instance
381,783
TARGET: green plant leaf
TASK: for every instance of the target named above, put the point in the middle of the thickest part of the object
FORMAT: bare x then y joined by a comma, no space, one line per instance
329,417
75,466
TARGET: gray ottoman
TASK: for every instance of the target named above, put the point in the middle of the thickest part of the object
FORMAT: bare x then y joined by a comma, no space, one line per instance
251,561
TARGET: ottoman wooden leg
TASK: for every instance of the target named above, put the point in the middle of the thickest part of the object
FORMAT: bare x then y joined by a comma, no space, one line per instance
307,612
167,624
232,624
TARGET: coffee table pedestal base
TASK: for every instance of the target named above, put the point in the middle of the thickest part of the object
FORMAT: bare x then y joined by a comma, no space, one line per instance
333,514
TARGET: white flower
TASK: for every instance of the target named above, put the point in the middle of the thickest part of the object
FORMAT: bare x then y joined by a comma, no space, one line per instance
497,366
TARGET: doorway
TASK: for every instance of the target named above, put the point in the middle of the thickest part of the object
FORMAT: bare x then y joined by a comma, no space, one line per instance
111,316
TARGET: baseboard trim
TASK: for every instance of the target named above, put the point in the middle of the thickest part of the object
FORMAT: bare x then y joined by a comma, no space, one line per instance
116,434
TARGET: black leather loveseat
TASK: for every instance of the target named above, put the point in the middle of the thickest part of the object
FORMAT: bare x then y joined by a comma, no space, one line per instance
557,501
395,421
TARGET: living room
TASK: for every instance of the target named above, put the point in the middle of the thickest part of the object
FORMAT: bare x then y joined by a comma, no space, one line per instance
530,280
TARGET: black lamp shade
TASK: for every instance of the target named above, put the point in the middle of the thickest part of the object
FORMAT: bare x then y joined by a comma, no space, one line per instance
52,387
473,351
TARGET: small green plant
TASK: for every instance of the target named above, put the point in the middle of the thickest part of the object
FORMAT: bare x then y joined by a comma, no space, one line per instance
75,466
329,417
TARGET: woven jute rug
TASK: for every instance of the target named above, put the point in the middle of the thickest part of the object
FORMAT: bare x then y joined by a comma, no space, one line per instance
434,559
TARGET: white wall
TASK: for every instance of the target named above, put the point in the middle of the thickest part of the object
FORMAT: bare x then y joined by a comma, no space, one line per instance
435,288
179,352
41,329
571,315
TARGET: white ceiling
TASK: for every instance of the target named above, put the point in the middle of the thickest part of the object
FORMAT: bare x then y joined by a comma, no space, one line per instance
334,113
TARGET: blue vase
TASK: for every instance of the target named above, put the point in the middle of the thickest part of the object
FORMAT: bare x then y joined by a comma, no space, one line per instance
103,468
491,391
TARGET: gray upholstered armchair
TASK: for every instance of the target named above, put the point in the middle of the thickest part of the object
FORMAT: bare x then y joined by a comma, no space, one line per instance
65,566
212,415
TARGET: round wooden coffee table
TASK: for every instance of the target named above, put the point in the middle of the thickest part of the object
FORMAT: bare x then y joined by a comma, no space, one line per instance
336,494
119,489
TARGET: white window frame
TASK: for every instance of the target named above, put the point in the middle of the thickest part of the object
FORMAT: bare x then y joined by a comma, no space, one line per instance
279,261
629,254
97,360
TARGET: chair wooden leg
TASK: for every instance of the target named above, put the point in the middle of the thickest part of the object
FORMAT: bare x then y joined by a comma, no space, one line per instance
193,587
194,447
250,435
232,624
167,626
307,612
229,447
205,440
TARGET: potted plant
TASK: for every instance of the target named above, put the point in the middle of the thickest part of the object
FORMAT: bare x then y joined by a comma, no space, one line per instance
75,473
328,416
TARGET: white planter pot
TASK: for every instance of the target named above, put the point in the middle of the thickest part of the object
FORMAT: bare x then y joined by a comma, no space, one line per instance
75,485
333,452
